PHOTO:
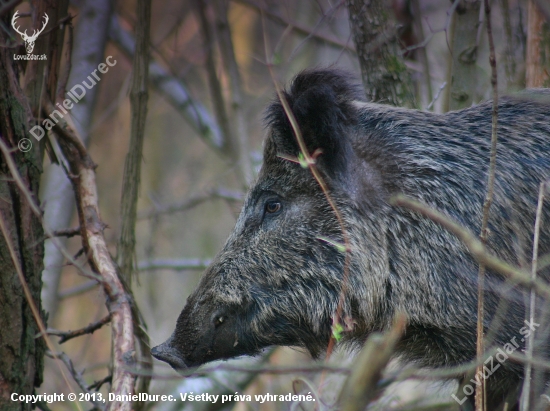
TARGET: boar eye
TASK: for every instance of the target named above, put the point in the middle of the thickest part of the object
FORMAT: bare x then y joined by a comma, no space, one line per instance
219,320
272,207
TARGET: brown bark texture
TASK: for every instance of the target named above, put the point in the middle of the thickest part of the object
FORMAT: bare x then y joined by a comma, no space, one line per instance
538,48
463,71
21,85
384,74
21,354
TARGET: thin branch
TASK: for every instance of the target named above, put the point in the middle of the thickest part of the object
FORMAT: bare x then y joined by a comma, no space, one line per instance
38,212
234,196
78,289
68,335
475,246
361,386
480,397
436,96
218,100
126,247
525,398
77,375
67,232
176,265
97,384
231,67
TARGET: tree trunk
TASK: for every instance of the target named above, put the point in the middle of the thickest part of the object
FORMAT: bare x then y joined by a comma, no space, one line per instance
21,234
538,49
21,354
385,76
462,72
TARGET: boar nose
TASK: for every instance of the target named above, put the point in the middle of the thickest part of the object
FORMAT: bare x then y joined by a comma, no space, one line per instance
165,352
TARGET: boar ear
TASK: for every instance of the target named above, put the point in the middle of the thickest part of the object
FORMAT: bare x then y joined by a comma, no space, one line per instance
322,104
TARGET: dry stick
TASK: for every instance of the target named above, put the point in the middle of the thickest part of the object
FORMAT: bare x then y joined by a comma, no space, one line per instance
480,397
68,335
82,168
361,386
231,67
77,289
475,246
97,384
126,248
525,399
77,376
310,162
68,232
215,87
191,202
172,264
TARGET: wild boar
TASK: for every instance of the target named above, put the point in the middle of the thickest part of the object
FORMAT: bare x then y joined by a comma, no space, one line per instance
278,279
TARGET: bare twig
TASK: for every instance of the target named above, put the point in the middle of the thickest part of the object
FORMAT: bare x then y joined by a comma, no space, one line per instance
126,247
97,384
78,289
232,69
417,12
218,100
310,162
67,232
525,398
126,253
475,246
234,196
480,397
38,212
99,259
436,96
77,375
361,386
68,335
176,265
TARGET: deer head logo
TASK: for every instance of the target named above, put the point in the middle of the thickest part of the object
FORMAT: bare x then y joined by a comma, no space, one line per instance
29,40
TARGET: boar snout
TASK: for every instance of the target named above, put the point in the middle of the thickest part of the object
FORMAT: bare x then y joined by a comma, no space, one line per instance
169,354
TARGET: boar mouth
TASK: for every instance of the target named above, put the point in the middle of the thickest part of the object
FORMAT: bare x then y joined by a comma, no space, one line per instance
165,352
